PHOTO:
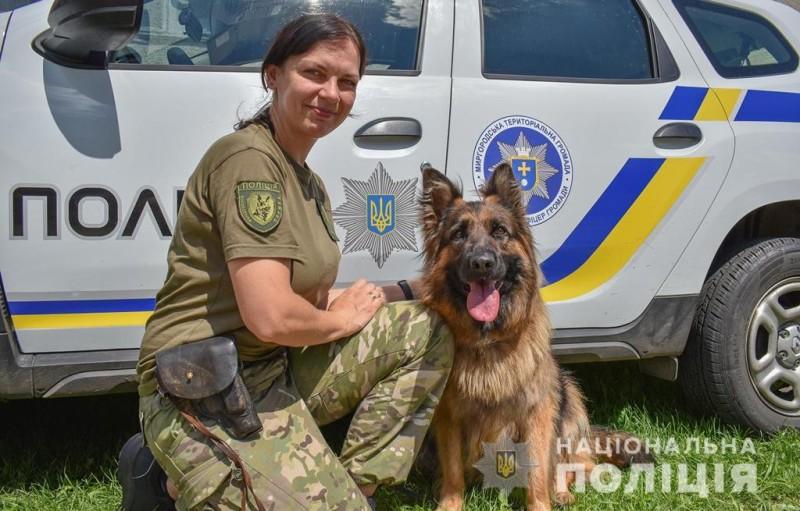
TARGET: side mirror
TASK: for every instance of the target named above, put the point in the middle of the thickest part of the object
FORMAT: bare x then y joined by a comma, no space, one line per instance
82,32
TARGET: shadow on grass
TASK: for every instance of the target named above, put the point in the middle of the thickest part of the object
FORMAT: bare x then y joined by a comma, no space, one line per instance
44,442
613,388
619,396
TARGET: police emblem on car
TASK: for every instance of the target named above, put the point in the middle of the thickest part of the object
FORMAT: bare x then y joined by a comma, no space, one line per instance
379,215
539,158
260,204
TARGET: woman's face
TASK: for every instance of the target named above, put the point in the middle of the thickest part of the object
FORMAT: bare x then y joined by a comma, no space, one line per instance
314,92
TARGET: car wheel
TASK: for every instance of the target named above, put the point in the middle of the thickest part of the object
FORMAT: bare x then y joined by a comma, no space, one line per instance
742,360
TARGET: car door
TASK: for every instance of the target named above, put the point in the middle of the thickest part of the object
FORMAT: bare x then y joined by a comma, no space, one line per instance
747,52
95,160
578,97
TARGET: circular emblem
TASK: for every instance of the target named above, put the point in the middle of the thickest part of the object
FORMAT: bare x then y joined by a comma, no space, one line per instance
537,155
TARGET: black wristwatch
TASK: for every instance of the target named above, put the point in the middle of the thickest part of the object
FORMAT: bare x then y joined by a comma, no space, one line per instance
406,289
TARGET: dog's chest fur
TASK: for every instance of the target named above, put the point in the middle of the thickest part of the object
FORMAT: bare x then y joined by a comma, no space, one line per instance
505,378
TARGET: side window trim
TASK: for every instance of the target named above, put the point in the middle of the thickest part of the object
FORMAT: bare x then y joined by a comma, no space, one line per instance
662,63
667,68
741,72
257,69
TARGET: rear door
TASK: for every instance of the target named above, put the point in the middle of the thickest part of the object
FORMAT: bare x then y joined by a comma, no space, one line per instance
576,96
747,51
94,162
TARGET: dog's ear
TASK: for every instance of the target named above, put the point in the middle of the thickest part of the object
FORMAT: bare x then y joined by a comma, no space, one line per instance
438,193
504,185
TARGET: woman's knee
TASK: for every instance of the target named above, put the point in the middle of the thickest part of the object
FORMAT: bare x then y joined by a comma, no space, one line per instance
425,332
440,340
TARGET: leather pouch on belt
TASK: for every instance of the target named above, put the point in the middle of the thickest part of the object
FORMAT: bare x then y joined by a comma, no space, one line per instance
205,374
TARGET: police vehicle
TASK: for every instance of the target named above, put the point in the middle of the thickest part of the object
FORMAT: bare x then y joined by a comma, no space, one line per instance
656,141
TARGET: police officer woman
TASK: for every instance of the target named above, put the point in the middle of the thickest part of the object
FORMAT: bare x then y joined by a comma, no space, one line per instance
254,257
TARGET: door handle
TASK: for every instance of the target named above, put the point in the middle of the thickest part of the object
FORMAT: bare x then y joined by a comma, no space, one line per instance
390,128
677,135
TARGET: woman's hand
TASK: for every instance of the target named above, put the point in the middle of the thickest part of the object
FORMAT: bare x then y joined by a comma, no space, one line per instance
357,305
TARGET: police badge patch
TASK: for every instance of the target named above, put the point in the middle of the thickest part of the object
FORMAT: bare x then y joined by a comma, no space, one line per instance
260,204
539,158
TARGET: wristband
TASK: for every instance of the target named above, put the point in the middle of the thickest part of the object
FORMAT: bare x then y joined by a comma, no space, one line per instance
406,289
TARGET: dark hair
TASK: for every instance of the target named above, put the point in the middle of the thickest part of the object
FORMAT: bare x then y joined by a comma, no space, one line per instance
300,35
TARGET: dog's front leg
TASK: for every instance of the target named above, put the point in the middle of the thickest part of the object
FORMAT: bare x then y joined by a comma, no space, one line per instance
540,438
451,461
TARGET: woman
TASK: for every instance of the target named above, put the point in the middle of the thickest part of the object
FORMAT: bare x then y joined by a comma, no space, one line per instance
254,256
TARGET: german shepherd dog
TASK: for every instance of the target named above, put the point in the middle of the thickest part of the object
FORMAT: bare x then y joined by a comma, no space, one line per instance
481,275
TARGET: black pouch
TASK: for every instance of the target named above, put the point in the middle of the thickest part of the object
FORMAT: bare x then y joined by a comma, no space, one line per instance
205,376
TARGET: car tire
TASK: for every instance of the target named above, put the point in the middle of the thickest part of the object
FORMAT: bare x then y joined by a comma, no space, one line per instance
736,362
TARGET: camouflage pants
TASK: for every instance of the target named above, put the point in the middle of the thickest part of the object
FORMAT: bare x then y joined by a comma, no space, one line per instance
390,375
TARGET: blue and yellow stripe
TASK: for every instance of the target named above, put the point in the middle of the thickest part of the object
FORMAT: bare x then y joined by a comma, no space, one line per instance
720,104
628,210
65,314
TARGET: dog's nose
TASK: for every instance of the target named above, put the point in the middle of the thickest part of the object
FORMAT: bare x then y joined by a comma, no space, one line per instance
483,262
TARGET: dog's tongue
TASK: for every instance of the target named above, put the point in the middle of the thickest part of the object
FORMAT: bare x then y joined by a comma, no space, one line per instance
483,301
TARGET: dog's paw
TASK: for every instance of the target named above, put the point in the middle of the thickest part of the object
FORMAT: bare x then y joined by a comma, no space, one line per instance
565,498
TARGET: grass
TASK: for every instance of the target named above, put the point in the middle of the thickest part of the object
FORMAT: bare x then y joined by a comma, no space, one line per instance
60,454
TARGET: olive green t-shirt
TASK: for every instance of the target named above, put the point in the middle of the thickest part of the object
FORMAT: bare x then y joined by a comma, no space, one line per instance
246,198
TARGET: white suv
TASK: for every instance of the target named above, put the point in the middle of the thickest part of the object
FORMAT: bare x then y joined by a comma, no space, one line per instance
657,142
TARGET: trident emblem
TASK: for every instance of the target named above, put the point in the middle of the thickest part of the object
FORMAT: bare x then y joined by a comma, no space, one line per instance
381,213
506,463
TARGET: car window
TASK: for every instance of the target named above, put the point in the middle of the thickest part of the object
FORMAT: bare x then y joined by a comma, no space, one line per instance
239,32
600,39
738,43
10,5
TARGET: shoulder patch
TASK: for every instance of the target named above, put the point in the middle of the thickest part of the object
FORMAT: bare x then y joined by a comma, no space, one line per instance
260,204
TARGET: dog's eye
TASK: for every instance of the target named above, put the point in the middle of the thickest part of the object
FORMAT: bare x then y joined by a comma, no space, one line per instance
459,234
499,232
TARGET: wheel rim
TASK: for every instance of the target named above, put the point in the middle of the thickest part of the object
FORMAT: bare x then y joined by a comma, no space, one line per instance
773,347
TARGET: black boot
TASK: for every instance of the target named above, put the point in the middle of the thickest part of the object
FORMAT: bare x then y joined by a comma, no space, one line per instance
142,479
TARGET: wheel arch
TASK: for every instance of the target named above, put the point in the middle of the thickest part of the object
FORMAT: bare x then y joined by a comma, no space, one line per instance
743,210
773,220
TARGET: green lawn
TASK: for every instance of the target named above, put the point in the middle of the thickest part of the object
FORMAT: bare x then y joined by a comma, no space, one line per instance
60,454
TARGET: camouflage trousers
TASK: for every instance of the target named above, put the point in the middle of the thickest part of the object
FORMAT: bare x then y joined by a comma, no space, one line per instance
390,375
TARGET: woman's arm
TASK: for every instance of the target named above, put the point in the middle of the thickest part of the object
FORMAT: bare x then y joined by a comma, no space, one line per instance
275,313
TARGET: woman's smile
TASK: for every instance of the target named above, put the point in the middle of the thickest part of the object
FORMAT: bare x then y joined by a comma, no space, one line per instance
322,113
